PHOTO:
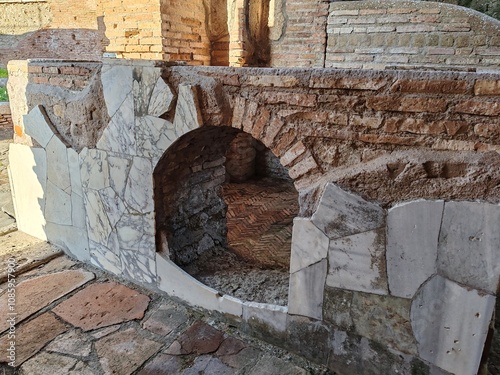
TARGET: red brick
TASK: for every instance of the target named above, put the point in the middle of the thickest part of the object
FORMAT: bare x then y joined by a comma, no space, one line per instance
478,107
388,103
250,113
238,112
487,130
304,166
284,143
415,126
433,87
291,98
272,131
260,123
293,153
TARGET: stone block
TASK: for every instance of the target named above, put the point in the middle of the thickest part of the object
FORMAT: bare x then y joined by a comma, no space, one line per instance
174,281
28,174
412,242
468,250
358,262
161,99
55,364
187,112
450,324
305,296
308,338
273,317
342,214
337,308
478,107
309,244
38,125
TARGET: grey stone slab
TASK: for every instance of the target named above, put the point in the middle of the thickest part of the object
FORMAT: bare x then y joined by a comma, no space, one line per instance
207,364
187,112
71,239
139,190
469,244
117,83
412,242
74,172
58,205
306,291
273,365
36,125
78,214
358,263
275,317
6,221
161,99
450,324
309,244
28,172
341,214
55,364
57,164
73,343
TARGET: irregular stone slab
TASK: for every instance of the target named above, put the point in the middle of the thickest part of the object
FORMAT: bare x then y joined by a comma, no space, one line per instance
154,136
469,251
139,190
117,84
200,338
28,172
34,294
57,164
450,324
31,337
37,125
118,173
161,99
55,364
73,240
104,258
274,365
124,351
145,79
206,364
58,205
412,241
273,316
358,263
73,343
385,320
341,214
309,244
102,305
94,169
136,266
337,308
163,364
74,172
306,291
245,358
167,318
97,218
187,112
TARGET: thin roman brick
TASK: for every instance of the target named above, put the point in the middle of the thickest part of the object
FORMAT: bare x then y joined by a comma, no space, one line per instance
238,112
261,122
272,131
293,153
250,113
284,143
304,166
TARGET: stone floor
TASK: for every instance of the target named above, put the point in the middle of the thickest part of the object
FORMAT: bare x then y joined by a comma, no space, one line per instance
71,318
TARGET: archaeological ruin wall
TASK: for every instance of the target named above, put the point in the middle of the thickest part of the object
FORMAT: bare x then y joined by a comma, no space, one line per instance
397,175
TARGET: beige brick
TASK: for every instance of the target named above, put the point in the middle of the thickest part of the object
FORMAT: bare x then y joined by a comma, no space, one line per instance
487,87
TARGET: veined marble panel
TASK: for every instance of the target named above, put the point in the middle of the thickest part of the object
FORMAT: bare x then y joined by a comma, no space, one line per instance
117,83
97,220
154,136
309,244
145,79
139,191
187,112
161,99
105,259
118,173
113,205
94,169
138,267
36,125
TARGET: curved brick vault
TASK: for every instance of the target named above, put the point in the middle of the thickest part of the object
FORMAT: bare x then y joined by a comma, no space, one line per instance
395,250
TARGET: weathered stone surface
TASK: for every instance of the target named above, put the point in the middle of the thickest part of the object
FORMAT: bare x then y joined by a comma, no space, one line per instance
57,164
117,83
58,205
450,324
341,214
357,262
73,343
309,338
163,364
73,240
207,364
124,351
161,99
337,308
309,244
36,125
187,112
28,173
412,239
32,337
385,320
101,305
34,294
200,338
97,219
167,318
272,316
468,250
94,169
273,365
54,364
306,291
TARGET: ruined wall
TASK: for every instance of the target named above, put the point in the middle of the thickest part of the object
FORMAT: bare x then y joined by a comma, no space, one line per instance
383,161
373,35
49,29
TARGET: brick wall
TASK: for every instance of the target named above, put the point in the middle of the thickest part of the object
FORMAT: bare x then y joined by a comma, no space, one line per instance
370,34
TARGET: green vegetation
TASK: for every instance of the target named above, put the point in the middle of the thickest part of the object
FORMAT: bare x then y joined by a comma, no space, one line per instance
4,97
3,73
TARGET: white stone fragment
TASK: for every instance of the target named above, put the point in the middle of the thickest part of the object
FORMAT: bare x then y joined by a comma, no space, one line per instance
57,164
161,99
175,282
72,239
119,135
139,191
138,267
74,172
38,125
309,244
94,169
78,214
117,83
105,259
98,224
118,173
469,244
412,241
113,205
145,79
187,112
28,175
357,263
341,214
57,205
305,296
450,324
154,136
275,317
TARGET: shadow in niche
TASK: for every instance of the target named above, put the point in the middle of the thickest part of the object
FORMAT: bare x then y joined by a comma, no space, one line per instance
224,213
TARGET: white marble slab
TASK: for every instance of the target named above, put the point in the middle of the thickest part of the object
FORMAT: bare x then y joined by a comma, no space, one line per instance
36,125
139,190
58,165
161,99
117,83
58,205
94,169
309,244
187,112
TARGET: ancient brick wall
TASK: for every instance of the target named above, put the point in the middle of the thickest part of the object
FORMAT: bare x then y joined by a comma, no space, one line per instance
49,29
371,34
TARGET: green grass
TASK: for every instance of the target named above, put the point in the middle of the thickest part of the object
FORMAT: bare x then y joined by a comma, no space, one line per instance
3,73
4,96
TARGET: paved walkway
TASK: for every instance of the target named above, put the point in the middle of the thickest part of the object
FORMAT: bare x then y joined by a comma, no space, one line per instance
66,317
